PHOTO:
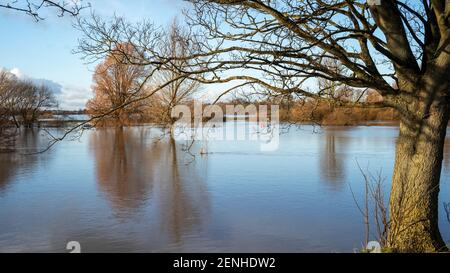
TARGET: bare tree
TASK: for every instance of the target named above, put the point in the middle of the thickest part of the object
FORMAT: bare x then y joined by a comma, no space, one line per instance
31,101
181,89
374,210
34,7
115,83
377,44
165,55
7,133
4,82
22,101
279,45
335,90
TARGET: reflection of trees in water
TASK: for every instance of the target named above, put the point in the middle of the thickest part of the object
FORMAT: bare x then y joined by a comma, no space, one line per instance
10,163
332,169
183,196
447,155
130,168
123,168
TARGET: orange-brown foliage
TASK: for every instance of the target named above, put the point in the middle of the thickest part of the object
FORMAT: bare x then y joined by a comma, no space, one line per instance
116,83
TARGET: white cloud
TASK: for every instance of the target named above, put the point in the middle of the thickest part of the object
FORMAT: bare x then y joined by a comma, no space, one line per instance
53,86
17,72
73,97
70,97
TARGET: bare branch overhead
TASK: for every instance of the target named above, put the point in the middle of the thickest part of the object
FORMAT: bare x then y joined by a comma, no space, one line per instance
34,7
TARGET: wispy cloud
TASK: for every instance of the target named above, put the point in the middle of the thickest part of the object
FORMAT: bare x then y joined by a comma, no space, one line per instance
73,97
55,87
70,97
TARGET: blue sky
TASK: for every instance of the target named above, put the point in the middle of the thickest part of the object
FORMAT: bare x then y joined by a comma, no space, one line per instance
43,50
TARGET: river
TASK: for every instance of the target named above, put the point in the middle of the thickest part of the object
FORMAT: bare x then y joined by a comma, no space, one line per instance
127,191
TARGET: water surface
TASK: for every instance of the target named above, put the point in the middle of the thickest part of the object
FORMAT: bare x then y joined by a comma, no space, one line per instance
123,190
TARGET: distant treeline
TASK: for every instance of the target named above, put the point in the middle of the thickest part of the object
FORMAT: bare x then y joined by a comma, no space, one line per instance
324,112
303,110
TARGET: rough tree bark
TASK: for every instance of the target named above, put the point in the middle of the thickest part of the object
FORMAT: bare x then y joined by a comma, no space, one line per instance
415,184
423,102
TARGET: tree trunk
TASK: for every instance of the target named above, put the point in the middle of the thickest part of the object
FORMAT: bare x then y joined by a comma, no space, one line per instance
415,185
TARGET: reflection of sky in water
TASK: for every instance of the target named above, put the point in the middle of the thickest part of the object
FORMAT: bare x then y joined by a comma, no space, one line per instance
121,191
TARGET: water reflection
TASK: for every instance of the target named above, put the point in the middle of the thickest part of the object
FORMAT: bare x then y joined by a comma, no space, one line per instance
134,170
331,159
122,191
123,169
11,163
184,199
8,166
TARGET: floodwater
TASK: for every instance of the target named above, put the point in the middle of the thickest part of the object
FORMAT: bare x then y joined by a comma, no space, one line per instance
124,190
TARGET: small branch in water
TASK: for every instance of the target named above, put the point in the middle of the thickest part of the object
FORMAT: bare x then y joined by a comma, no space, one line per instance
447,210
373,198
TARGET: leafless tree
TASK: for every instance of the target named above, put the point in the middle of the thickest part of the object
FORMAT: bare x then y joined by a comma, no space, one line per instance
30,100
280,45
374,209
23,101
175,44
5,82
402,42
335,90
164,54
115,83
32,8
7,134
